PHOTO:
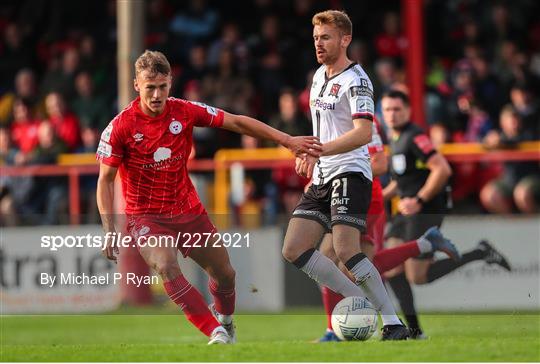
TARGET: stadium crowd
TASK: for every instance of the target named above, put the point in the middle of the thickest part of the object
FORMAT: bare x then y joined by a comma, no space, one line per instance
58,85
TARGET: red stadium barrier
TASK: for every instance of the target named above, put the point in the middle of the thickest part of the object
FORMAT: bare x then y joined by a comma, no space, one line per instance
75,165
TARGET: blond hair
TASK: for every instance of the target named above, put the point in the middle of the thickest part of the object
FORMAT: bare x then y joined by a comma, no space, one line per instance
153,61
338,18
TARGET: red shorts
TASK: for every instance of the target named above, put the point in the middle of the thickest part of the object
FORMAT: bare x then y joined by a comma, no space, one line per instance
184,230
376,219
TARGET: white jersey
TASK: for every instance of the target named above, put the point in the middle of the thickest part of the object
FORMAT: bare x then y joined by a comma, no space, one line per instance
334,103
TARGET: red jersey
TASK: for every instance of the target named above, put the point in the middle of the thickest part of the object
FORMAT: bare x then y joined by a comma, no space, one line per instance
24,134
68,130
152,155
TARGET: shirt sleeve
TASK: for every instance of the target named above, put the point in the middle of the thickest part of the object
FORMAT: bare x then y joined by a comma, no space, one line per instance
205,116
422,147
110,150
360,96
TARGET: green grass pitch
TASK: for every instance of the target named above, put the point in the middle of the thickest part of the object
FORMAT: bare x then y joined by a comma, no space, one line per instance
159,335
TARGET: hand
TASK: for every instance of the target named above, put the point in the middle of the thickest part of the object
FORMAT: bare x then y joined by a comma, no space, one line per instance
304,144
305,165
409,206
110,248
492,140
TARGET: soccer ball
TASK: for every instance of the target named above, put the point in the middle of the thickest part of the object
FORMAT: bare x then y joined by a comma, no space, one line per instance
354,318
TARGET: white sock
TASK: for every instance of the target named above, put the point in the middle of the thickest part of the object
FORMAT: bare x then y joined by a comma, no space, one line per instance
326,273
424,245
369,279
224,319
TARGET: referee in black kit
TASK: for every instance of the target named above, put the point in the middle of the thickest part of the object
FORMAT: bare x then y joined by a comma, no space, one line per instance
419,177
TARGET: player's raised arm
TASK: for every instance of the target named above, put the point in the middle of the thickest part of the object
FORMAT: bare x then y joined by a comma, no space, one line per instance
105,198
252,127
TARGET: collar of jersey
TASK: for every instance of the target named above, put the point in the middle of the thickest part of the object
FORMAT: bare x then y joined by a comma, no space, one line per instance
334,76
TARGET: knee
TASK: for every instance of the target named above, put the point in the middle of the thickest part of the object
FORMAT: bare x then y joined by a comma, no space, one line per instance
524,198
167,269
292,249
415,277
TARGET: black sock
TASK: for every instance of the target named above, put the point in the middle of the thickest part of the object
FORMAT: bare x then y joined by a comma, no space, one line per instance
303,259
442,267
402,290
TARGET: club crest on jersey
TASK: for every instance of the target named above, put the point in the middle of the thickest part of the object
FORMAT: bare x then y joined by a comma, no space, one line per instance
144,230
138,137
399,163
175,127
334,90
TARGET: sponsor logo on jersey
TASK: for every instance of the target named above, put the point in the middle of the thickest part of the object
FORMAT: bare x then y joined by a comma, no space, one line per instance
106,135
365,104
175,127
399,163
138,137
209,109
359,91
319,104
334,90
104,149
161,154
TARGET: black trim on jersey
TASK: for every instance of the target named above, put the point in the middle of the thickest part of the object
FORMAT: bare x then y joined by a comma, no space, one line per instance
318,134
326,79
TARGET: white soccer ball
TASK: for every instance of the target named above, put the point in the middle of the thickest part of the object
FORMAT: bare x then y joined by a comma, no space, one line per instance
354,318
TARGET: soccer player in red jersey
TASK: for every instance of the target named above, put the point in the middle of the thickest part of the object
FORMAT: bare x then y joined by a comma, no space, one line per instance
149,143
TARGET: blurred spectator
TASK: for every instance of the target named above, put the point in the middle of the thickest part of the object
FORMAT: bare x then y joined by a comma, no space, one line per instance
90,107
49,195
8,216
390,42
195,70
14,54
61,75
64,122
88,184
289,119
24,127
527,107
230,38
270,51
195,24
520,182
25,88
157,18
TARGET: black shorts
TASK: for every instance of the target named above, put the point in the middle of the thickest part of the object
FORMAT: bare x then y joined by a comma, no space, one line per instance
411,227
343,200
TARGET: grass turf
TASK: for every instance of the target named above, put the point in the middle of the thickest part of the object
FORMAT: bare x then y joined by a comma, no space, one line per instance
149,335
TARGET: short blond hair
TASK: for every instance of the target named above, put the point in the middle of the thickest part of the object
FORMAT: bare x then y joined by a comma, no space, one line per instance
338,18
153,61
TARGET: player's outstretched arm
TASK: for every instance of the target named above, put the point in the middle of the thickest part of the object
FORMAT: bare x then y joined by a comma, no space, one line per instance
105,198
297,145
355,138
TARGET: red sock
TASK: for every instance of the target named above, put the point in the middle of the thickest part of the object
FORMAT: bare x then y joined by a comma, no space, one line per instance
192,303
387,259
330,299
223,298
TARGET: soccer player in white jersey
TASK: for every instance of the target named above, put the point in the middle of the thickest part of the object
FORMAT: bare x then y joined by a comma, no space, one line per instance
341,102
